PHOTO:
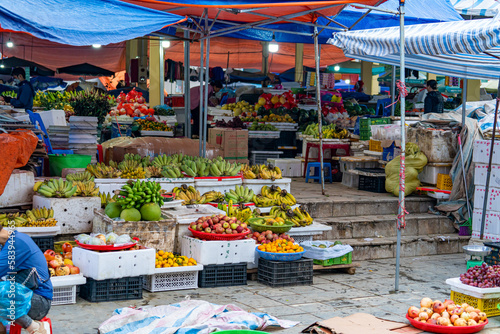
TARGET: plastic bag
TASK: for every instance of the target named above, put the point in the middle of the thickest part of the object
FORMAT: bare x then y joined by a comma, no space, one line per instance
414,164
111,238
123,239
15,301
83,238
324,250
96,241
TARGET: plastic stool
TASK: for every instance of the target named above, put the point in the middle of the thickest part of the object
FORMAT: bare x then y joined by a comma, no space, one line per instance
327,167
16,329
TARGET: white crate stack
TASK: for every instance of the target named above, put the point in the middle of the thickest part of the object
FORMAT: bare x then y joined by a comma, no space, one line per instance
481,156
83,136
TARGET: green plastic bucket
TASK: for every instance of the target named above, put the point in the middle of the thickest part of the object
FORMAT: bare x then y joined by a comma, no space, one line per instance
241,331
58,162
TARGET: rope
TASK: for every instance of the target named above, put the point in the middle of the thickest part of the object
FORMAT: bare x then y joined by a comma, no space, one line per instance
118,125
402,92
402,210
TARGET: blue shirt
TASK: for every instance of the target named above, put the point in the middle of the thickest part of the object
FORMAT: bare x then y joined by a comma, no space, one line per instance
28,256
24,96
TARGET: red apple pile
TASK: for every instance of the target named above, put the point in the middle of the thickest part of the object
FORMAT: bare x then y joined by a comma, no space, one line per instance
446,314
482,276
267,237
219,224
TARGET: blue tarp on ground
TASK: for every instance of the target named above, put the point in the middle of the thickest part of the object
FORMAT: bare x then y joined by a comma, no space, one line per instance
83,22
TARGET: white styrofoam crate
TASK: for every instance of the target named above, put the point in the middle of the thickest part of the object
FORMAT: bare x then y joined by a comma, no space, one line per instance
481,171
19,189
289,167
302,238
74,214
491,222
350,165
257,184
49,117
486,236
175,278
350,180
109,185
40,231
493,198
65,288
481,293
482,151
223,186
313,229
431,171
218,252
101,266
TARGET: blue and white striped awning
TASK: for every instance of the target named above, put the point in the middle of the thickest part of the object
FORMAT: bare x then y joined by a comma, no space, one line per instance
488,8
468,37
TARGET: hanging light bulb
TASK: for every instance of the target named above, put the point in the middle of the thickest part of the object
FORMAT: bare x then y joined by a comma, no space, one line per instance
96,46
10,44
273,46
165,44
336,68
347,81
2,65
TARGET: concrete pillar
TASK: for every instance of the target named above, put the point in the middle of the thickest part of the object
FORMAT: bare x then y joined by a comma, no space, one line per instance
299,62
265,57
431,76
156,75
367,77
375,85
473,87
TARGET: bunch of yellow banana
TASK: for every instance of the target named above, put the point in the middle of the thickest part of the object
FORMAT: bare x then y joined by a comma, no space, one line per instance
189,195
86,189
334,133
263,201
267,172
41,217
16,219
241,212
213,196
284,197
106,198
274,196
269,192
249,175
303,216
101,171
56,188
152,171
80,177
132,173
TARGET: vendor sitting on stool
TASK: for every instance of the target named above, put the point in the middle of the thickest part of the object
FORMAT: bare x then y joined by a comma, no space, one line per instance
26,91
27,256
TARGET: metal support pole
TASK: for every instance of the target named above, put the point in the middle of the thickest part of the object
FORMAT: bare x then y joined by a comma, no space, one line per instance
401,209
201,99
318,100
393,90
187,87
205,110
488,175
464,101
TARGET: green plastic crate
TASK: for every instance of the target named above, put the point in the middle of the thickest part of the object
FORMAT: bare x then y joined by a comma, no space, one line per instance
344,259
364,123
364,134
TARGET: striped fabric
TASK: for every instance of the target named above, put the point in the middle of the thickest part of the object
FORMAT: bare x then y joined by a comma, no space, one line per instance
488,8
468,37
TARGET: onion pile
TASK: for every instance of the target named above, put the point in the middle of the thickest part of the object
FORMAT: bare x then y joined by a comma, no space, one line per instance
482,276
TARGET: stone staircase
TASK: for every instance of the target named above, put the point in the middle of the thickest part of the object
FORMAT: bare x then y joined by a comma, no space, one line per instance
368,224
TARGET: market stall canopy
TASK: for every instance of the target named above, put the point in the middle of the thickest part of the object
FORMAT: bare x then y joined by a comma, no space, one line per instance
86,69
477,7
7,64
249,11
430,47
83,22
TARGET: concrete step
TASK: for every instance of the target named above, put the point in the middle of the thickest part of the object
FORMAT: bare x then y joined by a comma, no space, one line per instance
383,205
376,226
385,247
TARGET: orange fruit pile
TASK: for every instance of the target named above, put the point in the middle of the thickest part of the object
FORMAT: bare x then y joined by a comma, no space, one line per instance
281,246
169,259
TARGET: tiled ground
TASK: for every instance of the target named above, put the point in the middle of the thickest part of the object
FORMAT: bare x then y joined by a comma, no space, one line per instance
370,290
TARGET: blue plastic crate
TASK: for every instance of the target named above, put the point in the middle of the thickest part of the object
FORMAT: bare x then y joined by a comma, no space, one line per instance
280,256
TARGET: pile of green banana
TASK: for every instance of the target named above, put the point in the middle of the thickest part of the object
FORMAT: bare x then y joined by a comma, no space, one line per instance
241,212
240,195
55,188
273,195
167,160
80,177
195,166
136,193
213,197
19,220
143,161
106,198
298,216
171,172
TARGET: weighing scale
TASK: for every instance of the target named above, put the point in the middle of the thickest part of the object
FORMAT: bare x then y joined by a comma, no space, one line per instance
476,254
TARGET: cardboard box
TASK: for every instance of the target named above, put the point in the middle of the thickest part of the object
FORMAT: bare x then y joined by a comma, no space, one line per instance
234,143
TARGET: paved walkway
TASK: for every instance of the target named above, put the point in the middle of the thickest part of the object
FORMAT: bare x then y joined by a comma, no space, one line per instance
370,290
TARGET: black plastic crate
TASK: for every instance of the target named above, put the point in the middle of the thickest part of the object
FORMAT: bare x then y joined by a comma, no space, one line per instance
112,289
44,243
213,276
289,273
287,138
372,183
494,257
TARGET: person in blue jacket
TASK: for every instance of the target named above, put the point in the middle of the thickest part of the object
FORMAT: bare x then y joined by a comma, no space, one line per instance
27,256
26,91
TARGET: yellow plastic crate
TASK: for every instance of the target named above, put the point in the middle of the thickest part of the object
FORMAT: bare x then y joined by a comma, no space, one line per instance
444,182
488,305
375,145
